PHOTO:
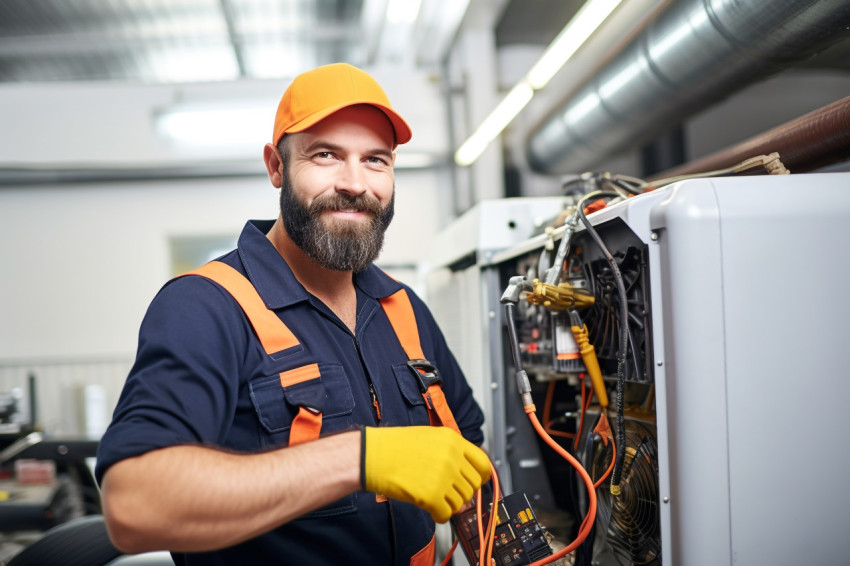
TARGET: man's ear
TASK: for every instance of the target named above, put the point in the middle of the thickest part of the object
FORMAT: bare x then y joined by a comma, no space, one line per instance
274,164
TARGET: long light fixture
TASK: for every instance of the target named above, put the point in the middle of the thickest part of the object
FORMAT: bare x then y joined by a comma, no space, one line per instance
494,123
222,126
403,11
572,37
246,125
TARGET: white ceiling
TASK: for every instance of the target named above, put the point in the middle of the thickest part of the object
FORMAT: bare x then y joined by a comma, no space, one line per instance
167,41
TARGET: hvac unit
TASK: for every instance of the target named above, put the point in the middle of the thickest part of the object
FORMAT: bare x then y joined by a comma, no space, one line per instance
733,385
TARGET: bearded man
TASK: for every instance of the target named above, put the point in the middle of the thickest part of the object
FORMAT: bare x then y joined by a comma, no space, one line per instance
277,412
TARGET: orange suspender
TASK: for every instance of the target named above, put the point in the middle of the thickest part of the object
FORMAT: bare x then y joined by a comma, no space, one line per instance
400,312
275,336
272,332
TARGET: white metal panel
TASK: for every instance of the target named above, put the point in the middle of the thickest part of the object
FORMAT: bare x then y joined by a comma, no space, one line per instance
754,315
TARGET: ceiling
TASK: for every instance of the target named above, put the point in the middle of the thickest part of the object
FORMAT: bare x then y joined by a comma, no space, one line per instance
169,41
178,41
208,41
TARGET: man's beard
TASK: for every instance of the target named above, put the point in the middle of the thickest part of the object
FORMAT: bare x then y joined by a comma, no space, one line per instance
337,245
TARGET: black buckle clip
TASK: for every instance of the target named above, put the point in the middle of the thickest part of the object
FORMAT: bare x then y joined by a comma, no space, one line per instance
426,372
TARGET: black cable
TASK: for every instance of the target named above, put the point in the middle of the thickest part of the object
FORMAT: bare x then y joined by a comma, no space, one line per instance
514,340
626,186
616,475
635,356
584,554
635,318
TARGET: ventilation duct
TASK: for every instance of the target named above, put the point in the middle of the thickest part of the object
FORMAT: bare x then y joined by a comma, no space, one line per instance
695,53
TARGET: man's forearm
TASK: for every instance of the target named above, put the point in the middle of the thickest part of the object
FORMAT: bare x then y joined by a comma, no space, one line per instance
193,498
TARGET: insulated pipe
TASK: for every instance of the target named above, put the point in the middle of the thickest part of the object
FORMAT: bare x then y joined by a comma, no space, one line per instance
816,139
695,53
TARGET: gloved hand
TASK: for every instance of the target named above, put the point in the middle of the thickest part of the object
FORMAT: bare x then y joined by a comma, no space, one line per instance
433,467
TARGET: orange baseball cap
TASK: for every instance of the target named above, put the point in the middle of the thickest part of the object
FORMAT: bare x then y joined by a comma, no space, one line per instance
315,95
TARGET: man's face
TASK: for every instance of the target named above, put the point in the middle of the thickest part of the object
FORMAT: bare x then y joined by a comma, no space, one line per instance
337,191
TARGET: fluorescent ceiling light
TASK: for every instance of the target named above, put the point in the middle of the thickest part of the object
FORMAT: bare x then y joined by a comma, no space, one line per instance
403,11
572,37
495,122
245,125
217,126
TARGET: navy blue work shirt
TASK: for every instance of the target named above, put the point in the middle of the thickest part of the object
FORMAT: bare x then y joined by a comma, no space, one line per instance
202,377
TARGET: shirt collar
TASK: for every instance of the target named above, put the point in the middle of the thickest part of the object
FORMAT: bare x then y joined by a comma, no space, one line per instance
274,281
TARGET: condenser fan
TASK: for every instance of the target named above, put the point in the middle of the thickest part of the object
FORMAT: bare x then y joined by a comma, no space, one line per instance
629,529
602,321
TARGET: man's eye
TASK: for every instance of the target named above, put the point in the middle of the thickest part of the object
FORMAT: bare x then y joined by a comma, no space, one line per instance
377,160
324,155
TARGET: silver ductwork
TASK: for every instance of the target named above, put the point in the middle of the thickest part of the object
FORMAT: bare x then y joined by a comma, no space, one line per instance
695,53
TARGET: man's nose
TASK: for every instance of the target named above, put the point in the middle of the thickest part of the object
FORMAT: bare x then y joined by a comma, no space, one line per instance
351,179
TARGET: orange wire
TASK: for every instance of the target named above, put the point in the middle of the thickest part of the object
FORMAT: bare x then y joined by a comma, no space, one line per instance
587,523
481,541
611,467
494,512
486,541
558,433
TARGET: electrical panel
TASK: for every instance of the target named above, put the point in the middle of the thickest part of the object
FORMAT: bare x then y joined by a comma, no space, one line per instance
730,296
518,538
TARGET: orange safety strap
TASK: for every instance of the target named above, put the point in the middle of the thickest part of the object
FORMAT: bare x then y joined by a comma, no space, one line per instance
425,557
400,312
306,426
272,332
274,335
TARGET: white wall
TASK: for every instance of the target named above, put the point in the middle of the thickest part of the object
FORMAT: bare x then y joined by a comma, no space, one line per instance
81,261
112,124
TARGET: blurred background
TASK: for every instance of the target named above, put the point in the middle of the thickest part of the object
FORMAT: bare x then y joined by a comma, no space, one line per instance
131,136
131,132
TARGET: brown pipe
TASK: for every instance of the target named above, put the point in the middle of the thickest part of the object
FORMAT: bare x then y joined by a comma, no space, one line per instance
814,140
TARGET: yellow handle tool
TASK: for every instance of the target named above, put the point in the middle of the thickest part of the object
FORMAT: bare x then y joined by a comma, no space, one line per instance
588,355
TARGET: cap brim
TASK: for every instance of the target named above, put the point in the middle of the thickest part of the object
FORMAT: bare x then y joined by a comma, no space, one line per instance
400,127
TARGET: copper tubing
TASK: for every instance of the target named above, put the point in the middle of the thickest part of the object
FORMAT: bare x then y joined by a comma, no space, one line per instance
814,140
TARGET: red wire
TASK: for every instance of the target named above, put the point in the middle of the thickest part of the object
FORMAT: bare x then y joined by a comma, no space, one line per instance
547,410
584,407
547,405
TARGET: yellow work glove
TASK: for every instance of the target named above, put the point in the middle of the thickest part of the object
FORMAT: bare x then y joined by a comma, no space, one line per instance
433,467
